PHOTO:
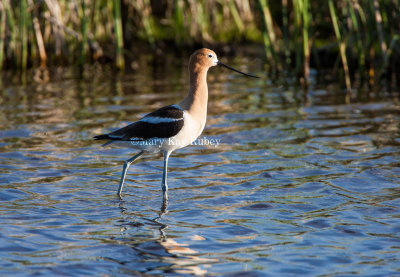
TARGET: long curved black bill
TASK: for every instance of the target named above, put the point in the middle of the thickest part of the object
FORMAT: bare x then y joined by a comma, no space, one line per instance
231,68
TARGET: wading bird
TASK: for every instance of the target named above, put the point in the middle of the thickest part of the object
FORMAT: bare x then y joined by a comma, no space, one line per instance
171,127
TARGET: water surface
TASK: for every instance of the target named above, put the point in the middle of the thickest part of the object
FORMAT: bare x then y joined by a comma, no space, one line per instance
292,189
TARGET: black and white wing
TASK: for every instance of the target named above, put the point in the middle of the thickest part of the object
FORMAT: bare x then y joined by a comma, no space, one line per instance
165,122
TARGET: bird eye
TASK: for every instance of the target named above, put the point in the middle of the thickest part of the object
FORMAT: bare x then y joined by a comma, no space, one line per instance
210,56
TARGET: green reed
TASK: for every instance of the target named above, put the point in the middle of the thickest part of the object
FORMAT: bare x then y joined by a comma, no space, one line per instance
84,32
120,62
355,14
2,32
285,34
295,33
268,33
342,46
296,42
11,25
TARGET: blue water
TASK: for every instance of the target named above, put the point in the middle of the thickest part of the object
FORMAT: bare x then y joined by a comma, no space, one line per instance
293,188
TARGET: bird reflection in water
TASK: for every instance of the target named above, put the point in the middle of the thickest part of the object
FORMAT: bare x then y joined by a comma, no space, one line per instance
172,255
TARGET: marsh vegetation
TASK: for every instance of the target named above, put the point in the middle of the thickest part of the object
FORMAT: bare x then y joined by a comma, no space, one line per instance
358,40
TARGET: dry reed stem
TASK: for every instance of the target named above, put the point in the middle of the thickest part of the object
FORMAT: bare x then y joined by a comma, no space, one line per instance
38,33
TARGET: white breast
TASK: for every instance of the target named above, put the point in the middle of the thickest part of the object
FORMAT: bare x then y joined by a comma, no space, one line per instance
191,130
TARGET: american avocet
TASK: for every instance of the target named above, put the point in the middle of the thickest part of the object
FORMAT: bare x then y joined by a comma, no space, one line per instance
171,127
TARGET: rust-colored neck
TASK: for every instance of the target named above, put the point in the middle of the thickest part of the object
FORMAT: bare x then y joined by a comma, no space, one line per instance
196,100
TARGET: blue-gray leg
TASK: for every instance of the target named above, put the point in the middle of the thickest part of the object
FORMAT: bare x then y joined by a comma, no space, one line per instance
164,185
125,169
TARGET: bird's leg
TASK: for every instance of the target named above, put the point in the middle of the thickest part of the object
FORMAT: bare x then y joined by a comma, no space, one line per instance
164,185
125,169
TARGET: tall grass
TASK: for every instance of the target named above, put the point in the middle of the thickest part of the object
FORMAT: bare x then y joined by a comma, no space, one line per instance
362,35
342,47
269,36
120,62
2,32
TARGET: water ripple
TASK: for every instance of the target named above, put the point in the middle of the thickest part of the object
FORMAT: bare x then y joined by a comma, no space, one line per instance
291,190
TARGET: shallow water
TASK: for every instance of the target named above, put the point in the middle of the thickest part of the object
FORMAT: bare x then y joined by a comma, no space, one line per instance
292,189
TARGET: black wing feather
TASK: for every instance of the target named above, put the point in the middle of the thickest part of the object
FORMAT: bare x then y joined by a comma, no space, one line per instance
141,130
